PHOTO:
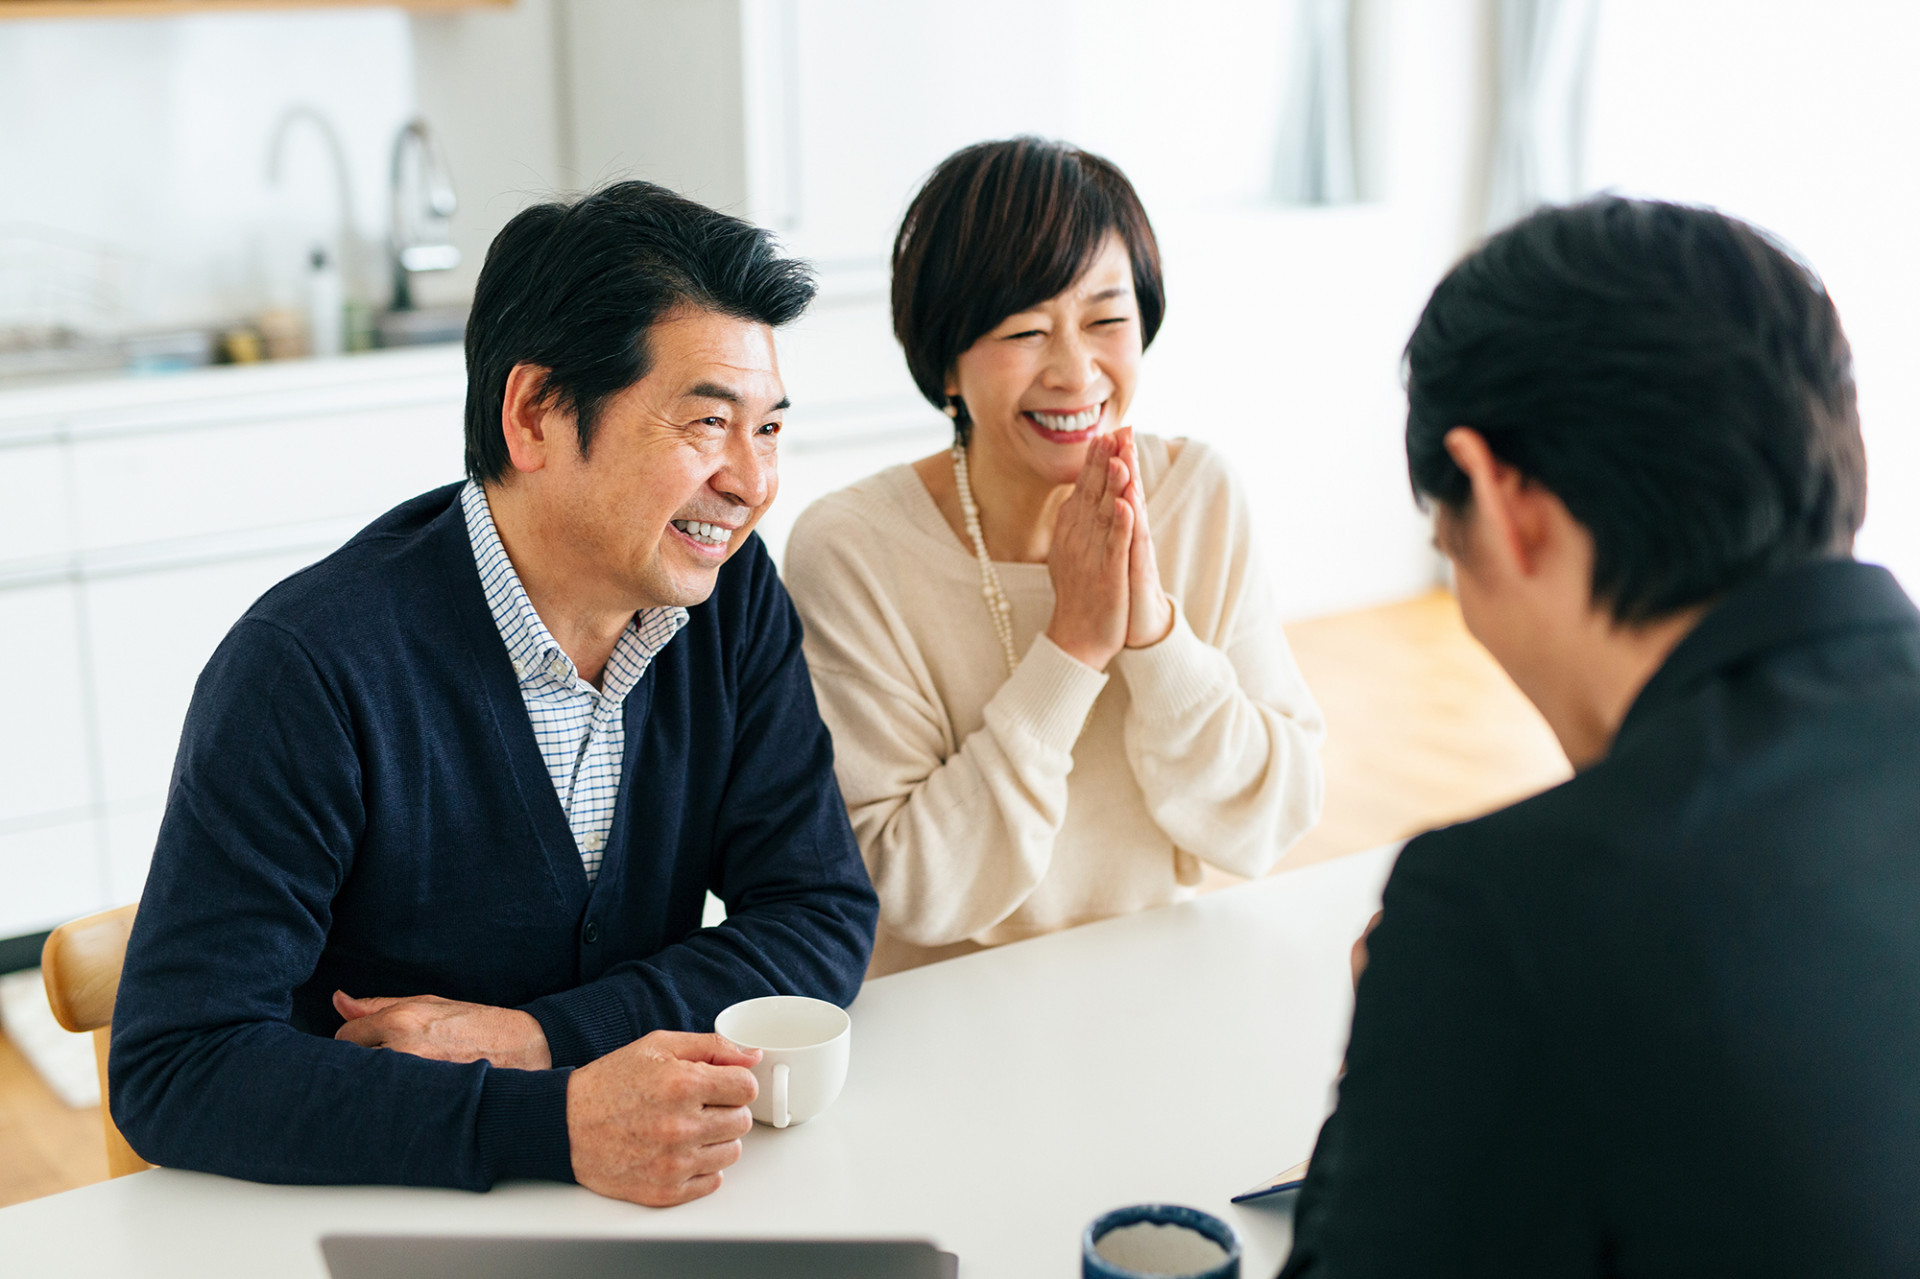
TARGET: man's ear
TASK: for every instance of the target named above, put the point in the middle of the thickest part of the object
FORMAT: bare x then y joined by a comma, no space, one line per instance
1509,510
528,420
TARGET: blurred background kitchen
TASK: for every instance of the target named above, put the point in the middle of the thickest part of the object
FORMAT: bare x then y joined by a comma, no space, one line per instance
237,238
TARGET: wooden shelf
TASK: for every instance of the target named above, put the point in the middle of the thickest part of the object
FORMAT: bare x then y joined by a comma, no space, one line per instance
175,8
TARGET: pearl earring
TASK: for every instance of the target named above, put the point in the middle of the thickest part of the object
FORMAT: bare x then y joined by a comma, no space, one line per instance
952,410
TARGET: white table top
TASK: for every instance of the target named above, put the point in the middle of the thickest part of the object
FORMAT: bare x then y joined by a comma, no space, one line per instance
996,1104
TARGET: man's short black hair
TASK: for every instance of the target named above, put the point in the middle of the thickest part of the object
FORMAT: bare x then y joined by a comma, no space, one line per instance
574,287
1673,375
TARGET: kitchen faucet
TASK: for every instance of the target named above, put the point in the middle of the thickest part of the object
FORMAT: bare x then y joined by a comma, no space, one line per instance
423,207
324,319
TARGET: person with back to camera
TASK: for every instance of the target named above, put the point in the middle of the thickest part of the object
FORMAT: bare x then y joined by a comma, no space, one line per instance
1049,657
1663,1019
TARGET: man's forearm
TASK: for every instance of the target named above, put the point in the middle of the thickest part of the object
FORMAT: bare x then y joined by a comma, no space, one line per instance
271,1103
816,944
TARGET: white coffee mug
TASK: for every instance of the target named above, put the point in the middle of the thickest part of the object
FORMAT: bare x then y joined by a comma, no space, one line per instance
803,1044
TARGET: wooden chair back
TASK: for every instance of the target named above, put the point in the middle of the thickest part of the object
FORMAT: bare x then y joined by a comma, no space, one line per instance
81,966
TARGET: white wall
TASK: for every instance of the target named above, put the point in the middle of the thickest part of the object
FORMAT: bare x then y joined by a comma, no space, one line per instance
1284,326
1802,119
146,142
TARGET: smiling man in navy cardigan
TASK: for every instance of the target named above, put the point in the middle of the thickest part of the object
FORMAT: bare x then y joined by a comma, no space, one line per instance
426,906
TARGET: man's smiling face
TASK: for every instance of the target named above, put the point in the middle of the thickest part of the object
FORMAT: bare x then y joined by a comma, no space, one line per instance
681,466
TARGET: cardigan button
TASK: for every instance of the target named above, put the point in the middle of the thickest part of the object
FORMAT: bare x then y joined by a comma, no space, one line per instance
591,933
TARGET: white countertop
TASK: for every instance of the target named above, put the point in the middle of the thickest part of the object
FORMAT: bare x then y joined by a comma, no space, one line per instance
996,1104
122,400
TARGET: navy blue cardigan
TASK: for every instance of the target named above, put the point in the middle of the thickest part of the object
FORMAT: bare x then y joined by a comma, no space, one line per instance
359,802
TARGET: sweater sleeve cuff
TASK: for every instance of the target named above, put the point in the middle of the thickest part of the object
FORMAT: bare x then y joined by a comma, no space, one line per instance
523,1125
1049,696
1168,679
582,1024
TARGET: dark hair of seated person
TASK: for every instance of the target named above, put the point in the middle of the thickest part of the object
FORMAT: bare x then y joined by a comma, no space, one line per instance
1002,226
1674,376
574,286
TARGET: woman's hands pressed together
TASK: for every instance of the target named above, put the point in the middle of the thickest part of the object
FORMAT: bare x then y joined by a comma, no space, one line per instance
1149,611
1106,584
1088,560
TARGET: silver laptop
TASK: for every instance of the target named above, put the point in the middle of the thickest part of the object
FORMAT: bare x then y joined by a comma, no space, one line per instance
467,1257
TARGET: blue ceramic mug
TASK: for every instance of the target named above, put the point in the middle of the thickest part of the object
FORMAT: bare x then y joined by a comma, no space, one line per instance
1211,1264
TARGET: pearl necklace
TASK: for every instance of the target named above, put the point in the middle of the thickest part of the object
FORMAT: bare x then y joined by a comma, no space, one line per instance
998,606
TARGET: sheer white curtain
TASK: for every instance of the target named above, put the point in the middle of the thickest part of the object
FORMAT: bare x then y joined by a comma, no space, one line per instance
1315,160
1543,63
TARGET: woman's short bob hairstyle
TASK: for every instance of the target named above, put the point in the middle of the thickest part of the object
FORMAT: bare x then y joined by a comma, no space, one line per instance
1000,227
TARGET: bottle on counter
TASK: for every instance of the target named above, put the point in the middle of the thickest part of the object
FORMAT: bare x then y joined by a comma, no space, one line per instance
363,329
326,306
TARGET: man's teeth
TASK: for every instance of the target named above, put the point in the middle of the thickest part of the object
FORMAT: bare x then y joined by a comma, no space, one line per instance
710,534
1065,422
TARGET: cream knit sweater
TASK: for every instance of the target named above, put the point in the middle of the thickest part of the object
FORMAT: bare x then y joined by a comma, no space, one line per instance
991,808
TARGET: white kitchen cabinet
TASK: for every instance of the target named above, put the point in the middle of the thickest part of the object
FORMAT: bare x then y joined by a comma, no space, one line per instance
807,473
855,408
35,523
151,635
44,767
129,836
271,461
842,354
138,520
48,875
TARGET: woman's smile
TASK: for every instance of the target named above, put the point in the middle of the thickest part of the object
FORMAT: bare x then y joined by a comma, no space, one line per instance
1066,426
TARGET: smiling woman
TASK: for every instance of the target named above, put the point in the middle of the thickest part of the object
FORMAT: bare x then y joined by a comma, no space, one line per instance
966,616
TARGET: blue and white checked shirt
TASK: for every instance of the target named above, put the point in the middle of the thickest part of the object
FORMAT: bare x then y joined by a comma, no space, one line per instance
579,727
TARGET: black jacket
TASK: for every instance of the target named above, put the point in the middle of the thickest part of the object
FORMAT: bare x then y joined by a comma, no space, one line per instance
1663,1019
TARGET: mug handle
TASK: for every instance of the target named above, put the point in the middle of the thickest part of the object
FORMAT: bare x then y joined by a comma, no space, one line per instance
780,1116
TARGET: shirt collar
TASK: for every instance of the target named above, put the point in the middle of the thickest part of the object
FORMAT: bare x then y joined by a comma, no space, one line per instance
1792,606
537,657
